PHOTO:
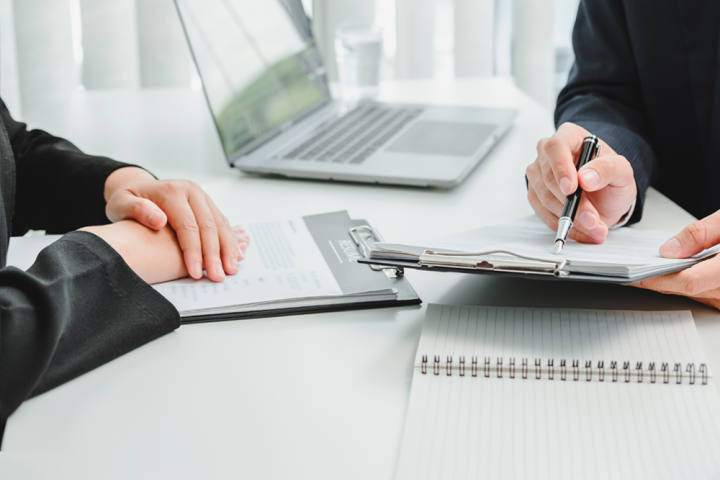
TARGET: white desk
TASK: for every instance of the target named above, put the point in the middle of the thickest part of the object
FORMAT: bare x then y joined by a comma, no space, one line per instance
315,396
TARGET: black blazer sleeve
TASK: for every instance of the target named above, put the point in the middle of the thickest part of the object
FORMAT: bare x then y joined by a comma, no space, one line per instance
78,307
603,90
58,187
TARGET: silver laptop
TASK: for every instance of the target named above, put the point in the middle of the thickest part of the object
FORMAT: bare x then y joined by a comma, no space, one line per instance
266,86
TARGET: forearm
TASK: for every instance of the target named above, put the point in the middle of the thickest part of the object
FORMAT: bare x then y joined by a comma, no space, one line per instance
58,187
78,307
154,256
603,93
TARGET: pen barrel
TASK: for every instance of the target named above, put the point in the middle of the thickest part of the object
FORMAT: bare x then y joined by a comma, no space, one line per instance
571,204
589,150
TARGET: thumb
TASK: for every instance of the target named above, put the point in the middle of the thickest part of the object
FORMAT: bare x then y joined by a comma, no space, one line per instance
127,206
694,238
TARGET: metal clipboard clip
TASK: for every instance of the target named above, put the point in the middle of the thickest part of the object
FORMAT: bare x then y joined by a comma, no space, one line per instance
517,264
364,237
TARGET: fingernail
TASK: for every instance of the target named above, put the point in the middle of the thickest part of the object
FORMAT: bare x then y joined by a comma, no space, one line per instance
243,247
566,186
598,233
197,270
671,248
219,271
590,178
588,220
152,216
233,264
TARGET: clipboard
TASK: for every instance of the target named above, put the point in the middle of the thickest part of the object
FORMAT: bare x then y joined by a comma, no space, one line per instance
329,231
515,266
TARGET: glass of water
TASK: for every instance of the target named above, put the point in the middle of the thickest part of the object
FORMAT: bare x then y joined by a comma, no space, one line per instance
358,49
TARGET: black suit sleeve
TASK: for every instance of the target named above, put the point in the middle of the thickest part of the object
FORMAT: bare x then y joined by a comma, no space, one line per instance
78,307
603,91
58,187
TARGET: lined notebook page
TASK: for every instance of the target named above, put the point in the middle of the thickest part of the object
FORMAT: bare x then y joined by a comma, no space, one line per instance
465,427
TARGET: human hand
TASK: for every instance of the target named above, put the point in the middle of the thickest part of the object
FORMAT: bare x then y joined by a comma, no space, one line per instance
154,255
700,282
608,184
205,237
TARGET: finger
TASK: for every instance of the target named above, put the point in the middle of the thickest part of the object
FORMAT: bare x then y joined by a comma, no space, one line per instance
587,226
551,220
561,150
209,232
230,251
546,172
548,199
691,282
694,238
613,170
243,242
126,206
588,220
182,219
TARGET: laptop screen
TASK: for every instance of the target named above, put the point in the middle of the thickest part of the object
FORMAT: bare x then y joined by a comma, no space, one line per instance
259,65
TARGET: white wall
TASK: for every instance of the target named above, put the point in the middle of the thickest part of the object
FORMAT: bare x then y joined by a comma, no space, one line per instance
47,72
165,60
415,42
9,86
534,50
110,44
474,38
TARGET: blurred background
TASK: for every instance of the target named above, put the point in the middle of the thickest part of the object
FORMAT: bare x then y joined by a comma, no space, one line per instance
52,49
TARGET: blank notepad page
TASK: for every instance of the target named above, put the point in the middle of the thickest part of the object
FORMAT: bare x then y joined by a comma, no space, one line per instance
560,394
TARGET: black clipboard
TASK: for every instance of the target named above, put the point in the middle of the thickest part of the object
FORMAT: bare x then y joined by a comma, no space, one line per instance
335,233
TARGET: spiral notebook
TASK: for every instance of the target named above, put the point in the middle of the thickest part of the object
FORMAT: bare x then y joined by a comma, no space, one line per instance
560,394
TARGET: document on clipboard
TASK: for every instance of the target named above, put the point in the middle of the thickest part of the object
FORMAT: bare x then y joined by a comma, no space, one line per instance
293,266
525,247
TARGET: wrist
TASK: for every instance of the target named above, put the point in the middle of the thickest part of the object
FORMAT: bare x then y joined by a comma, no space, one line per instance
124,176
154,256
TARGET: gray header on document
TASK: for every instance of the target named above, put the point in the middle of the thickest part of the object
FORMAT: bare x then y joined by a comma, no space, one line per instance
331,232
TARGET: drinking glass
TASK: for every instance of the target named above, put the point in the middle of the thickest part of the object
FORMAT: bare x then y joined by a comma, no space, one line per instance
358,49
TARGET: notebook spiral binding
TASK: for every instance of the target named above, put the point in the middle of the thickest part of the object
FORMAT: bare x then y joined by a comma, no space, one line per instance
670,373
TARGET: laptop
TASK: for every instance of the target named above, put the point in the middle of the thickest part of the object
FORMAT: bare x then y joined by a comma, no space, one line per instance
267,89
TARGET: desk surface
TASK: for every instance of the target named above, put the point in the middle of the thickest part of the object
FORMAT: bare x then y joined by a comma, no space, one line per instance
313,396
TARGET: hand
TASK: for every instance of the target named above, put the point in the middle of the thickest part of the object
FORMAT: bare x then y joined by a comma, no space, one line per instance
608,184
154,255
700,282
206,238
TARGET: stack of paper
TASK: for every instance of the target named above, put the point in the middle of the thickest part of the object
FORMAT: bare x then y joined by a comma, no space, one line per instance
626,255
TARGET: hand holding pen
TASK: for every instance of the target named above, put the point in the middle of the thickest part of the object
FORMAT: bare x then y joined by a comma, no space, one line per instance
590,150
607,182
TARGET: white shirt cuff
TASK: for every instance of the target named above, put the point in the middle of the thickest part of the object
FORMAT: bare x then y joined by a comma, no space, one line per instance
626,218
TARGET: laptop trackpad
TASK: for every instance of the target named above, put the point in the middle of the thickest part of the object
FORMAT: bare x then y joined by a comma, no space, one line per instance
442,138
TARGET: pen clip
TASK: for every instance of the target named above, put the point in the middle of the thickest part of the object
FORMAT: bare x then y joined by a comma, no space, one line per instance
598,147
364,236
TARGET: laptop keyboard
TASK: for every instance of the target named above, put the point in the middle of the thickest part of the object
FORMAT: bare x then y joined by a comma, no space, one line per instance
352,137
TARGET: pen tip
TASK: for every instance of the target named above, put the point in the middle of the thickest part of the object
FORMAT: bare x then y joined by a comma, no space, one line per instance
559,246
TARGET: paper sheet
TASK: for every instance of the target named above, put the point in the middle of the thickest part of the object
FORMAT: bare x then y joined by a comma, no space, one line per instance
284,263
625,250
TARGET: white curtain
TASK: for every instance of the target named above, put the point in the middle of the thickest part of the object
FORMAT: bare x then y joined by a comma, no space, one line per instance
140,44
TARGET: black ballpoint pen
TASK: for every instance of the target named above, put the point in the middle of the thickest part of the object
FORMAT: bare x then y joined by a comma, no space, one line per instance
590,150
